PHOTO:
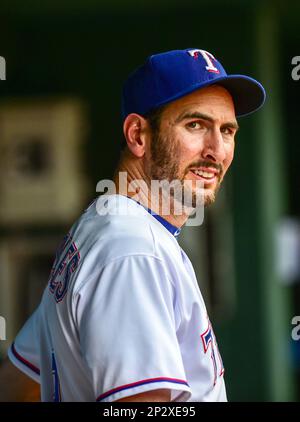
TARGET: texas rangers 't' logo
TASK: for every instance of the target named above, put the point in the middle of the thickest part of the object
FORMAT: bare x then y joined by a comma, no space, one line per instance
208,339
208,57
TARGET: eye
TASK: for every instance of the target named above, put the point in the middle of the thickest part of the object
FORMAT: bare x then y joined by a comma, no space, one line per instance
228,131
194,125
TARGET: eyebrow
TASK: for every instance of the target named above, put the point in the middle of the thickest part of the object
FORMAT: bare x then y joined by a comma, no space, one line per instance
202,116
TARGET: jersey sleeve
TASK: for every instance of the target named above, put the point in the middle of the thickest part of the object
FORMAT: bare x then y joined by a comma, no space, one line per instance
127,331
23,353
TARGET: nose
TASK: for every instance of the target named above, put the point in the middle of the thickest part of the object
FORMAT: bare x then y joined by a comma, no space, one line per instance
214,149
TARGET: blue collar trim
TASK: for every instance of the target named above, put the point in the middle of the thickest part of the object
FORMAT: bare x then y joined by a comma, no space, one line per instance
175,231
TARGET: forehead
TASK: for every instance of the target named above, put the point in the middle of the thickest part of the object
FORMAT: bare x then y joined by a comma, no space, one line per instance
213,100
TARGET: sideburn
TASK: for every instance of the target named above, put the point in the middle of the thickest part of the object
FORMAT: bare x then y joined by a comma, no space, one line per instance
164,158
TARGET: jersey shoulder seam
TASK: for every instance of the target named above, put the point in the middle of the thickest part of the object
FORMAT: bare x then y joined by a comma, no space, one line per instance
112,261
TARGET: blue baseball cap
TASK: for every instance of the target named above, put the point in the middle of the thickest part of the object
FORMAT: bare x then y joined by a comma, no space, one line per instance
168,76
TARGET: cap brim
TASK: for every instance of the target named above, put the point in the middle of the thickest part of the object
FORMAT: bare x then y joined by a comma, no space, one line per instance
248,94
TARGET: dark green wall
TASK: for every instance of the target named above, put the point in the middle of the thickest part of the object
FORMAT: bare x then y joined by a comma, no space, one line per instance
88,53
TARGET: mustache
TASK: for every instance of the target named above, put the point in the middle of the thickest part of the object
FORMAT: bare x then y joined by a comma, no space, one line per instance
218,167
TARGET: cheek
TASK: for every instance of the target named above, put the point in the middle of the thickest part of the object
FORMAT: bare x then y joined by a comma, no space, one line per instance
229,156
189,146
186,156
182,149
190,143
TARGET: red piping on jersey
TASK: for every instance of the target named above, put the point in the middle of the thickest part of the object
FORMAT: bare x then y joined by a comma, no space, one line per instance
138,383
24,361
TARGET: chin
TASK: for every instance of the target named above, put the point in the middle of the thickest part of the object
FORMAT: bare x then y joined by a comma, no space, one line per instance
209,199
209,196
204,197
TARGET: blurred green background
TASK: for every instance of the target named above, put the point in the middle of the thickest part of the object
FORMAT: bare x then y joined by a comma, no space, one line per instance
84,50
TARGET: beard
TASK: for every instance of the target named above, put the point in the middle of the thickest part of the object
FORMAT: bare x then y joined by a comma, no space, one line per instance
164,166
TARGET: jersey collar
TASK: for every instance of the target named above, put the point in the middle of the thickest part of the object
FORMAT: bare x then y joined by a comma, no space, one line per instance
175,231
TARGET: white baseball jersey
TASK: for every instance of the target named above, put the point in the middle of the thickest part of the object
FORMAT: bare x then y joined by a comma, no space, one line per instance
122,314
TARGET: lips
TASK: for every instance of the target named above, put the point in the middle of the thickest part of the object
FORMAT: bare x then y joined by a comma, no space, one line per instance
206,174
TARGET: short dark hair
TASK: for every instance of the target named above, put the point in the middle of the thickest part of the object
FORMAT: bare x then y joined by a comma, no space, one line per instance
154,118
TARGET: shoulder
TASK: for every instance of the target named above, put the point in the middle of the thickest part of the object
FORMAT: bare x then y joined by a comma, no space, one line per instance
115,227
124,247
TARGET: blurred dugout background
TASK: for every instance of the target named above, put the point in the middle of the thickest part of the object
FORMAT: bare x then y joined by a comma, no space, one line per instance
60,133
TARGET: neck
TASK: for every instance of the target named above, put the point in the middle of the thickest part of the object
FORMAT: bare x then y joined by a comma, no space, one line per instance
131,180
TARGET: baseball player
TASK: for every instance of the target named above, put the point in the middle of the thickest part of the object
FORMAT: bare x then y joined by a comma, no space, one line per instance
122,317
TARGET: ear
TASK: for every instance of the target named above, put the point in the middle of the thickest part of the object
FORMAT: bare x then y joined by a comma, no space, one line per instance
136,134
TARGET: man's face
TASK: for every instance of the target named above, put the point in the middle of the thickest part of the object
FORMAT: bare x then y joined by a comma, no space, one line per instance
195,141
